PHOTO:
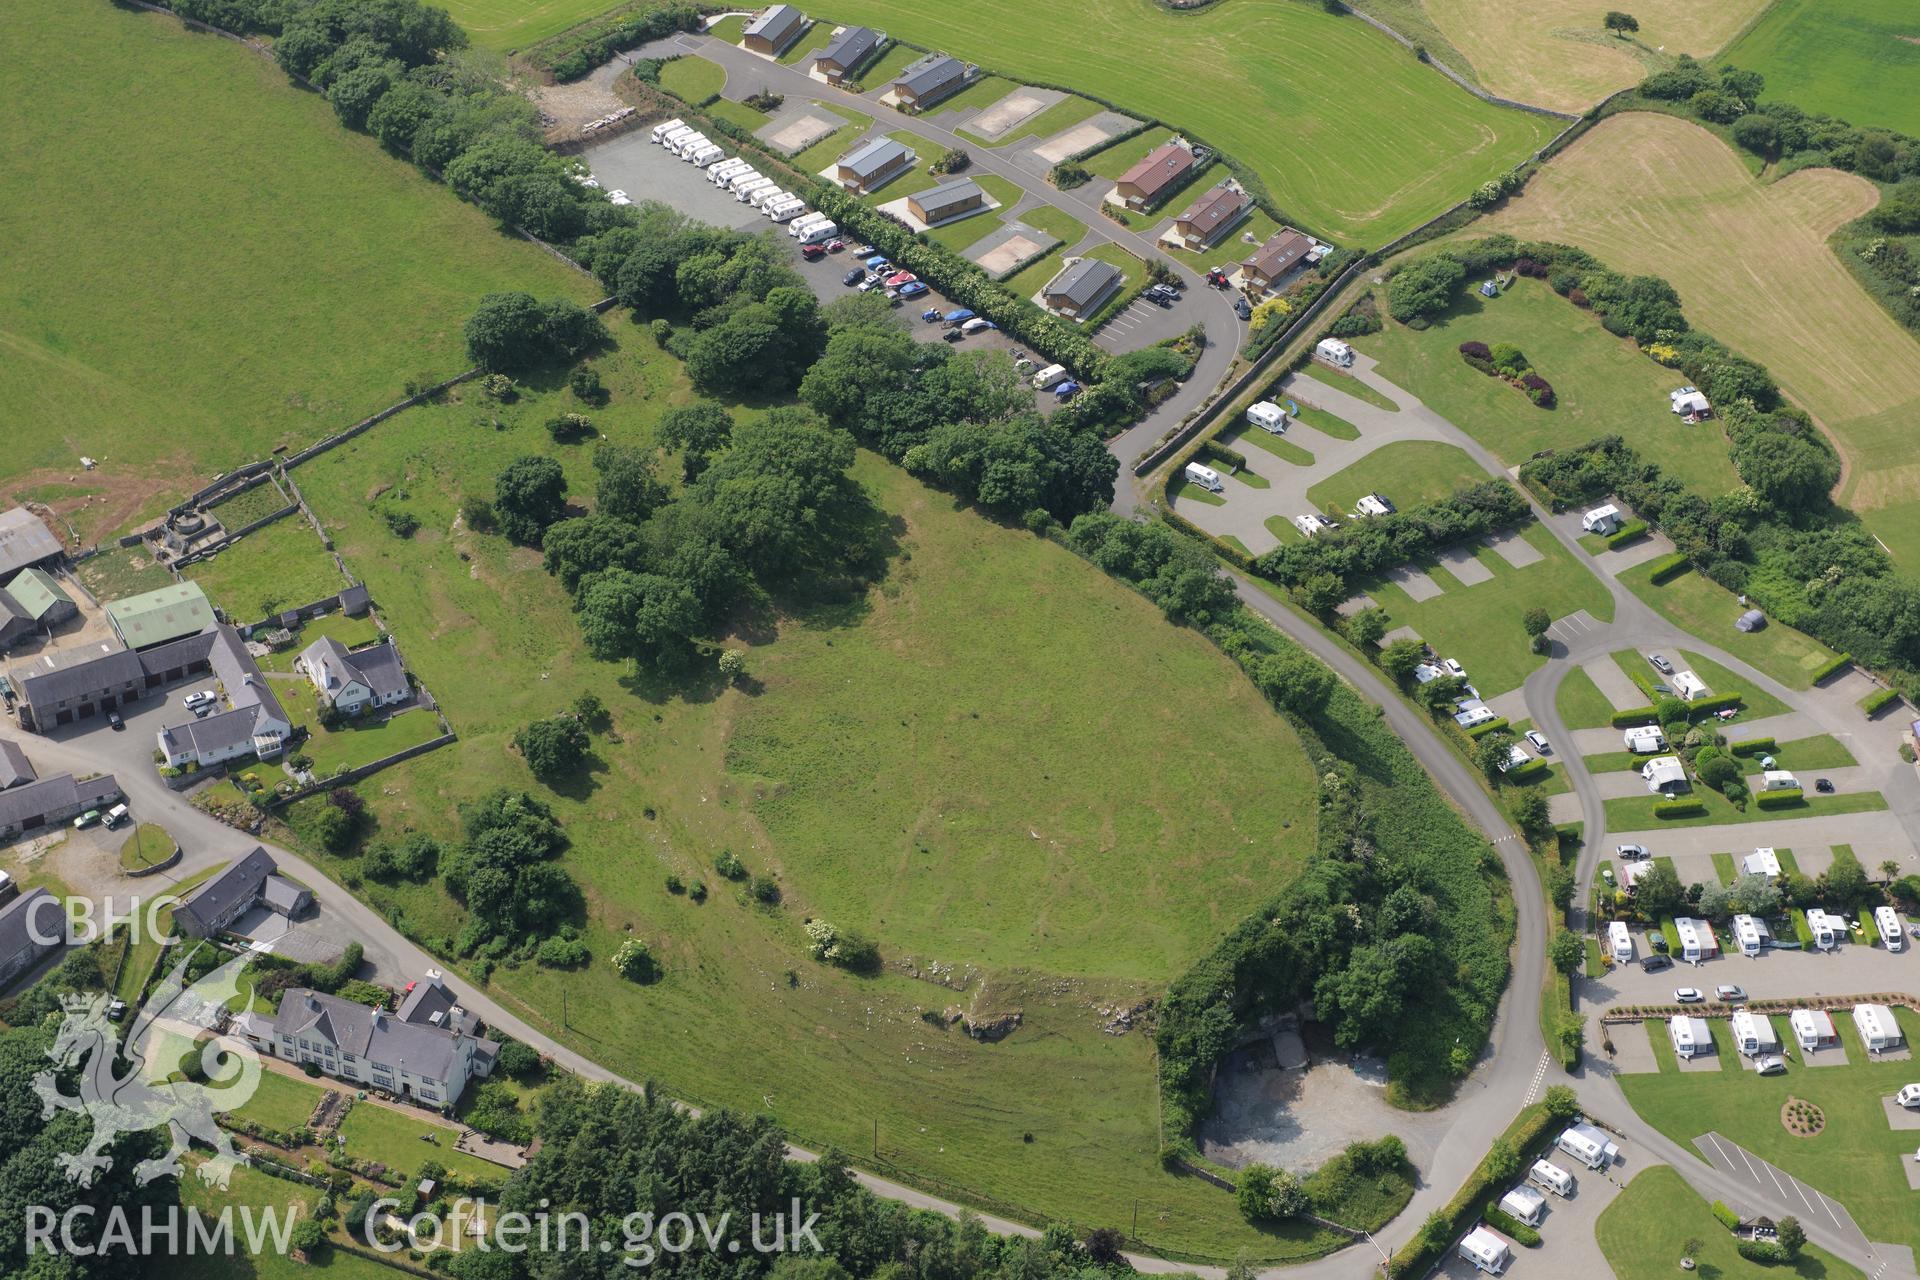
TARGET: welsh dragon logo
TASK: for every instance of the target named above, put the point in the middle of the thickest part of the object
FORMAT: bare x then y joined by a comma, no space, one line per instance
172,1021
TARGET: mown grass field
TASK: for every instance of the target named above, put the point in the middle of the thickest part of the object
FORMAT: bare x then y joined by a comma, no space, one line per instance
1342,163
519,24
270,277
1603,386
1856,59
1707,609
1556,53
281,566
1656,194
249,1190
1580,702
404,1142
1407,472
1644,1232
1856,1159
916,764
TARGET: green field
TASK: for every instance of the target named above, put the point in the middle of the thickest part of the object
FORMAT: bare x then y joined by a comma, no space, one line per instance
252,1189
1856,59
351,632
1580,702
871,769
834,145
1603,386
1644,1232
400,1141
1344,164
1407,472
1636,813
1242,436
1340,380
281,566
1856,1159
291,277
1058,118
693,78
1708,609
281,1102
146,845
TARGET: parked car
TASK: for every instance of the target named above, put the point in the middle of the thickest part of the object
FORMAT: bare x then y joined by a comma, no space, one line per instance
912,289
1655,963
116,1010
853,277
1660,664
1539,741
195,699
1242,309
869,281
1688,995
1823,785
835,246
1771,1064
813,252
1632,852
953,335
1453,667
115,722
86,819
1730,994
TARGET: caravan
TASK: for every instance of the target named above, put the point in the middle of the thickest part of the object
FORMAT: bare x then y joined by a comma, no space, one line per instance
1268,416
1752,934
1551,1176
709,154
1620,942
1334,352
688,143
1826,930
1697,942
1525,1204
744,192
786,210
819,232
672,138
1204,476
800,226
1049,376
772,194
726,170
1753,1034
1588,1145
1645,739
1887,920
662,130
1878,1031
1486,1251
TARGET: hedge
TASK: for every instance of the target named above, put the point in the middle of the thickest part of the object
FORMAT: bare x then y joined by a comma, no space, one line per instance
1633,717
1780,799
1690,807
1508,1225
1627,532
1427,1247
1668,568
1728,1218
1482,730
1752,746
1718,702
1232,457
1826,669
1227,551
1877,699
1529,771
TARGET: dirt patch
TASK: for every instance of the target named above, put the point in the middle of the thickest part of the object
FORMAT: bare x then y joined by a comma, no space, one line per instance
1801,1118
103,502
1008,254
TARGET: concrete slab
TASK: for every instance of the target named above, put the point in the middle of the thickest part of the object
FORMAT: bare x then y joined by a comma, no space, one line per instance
1511,705
1398,633
1832,1056
792,135
1892,1055
1613,682
1912,1165
1899,1117
1514,549
1460,562
1639,551
1565,807
1347,608
1084,136
1002,252
1016,108
1632,1049
1415,583
1701,1062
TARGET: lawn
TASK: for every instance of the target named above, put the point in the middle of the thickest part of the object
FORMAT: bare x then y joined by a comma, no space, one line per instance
279,567
1603,385
1659,195
1708,609
818,36
1855,1160
1058,118
1329,424
738,113
280,1102
357,741
250,1189
1342,162
958,235
353,633
897,58
1635,813
358,270
870,766
1754,703
1644,1231
1821,751
1179,491
1340,380
1407,473
693,78
146,845
1058,223
404,1142
1581,703
834,145
1481,625
1844,57
1284,529
1246,434
120,571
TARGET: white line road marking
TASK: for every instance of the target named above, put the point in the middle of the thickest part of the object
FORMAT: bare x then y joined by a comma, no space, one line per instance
1539,1075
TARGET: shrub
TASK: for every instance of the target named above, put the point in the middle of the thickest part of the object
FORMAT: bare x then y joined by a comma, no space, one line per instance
1067,175
1728,1218
1752,746
1476,351
562,953
477,514
1667,568
1491,726
319,821
764,889
1831,666
1633,717
553,747
1718,702
634,962
1508,1225
730,866
1780,799
401,523
1631,531
1538,390
841,947
1765,1252
518,1060
1531,771
1685,807
1878,699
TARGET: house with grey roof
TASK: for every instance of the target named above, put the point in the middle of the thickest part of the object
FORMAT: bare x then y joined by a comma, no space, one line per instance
843,54
15,768
872,165
254,881
425,1052
350,681
1081,289
25,541
60,688
16,624
254,723
928,80
31,926
47,802
773,30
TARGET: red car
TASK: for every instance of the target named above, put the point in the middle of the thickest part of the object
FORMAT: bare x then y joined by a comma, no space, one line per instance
813,251
899,278
835,246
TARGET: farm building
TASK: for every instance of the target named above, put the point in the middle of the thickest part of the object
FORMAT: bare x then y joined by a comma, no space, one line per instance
25,541
1204,221
157,617
1601,520
1878,1031
1373,504
1268,416
1690,1036
1157,174
1813,1029
1696,938
1334,352
60,688
254,723
774,30
1082,288
1689,685
1486,1251
1274,260
30,926
46,802
1665,775
1645,739
1753,1034
15,769
1588,1145
932,78
1751,933
843,54
31,603
872,165
1827,930
954,198
1761,862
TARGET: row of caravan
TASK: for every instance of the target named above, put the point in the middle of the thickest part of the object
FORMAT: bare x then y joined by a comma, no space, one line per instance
730,173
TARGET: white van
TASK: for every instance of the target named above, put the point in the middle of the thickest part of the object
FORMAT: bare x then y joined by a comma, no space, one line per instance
661,130
1206,477
745,191
116,815
1552,1177
820,232
770,194
723,172
1052,375
1887,920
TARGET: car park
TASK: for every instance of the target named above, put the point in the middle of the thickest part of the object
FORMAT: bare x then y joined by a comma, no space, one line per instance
1688,995
1655,963
1660,664
1539,741
1729,993
1632,852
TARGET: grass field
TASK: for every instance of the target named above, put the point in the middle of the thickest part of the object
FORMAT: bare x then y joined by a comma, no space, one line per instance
1848,58
872,767
1058,118
401,1141
1644,1232
1855,1159
351,632
1603,385
1342,163
1331,424
1556,53
1754,703
278,567
1652,193
1245,434
520,24
276,301
147,844
1707,609
834,145
281,1102
1636,813
693,78
1480,624
1580,702
1407,472
250,1189
1343,381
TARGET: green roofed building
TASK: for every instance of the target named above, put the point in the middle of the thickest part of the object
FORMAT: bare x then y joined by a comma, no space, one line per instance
156,617
44,600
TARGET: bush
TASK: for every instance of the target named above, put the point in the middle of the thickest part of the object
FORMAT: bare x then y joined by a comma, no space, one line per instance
1476,351
319,821
1491,726
1067,175
1780,799
1685,807
1631,531
401,523
1878,699
1718,702
1633,717
1830,667
730,866
477,514
634,962
1765,1252
554,747
1528,772
1667,568
562,953
1752,746
1508,1225
1728,1218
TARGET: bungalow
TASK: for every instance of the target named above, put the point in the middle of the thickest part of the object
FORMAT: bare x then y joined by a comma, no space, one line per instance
954,198
1268,416
48,802
1273,261
253,881
1697,942
774,30
1081,289
1753,1034
843,54
1878,1031
1827,930
1373,504
350,681
25,541
1645,739
1761,862
32,925
1203,222
426,1051
872,165
925,82
1689,685
1601,520
1752,934
1486,1251
1588,1145
1813,1029
156,617
1690,1036
1155,175
1665,775
254,724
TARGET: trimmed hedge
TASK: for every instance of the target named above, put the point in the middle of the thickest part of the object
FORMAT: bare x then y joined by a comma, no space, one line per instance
1528,772
1780,799
1829,668
1752,746
1878,699
1728,1218
1508,1225
1689,807
1668,568
1428,1247
1718,702
1232,457
1633,717
1628,532
1482,730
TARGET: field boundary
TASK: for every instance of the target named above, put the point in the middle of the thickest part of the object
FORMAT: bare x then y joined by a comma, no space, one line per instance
1421,53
